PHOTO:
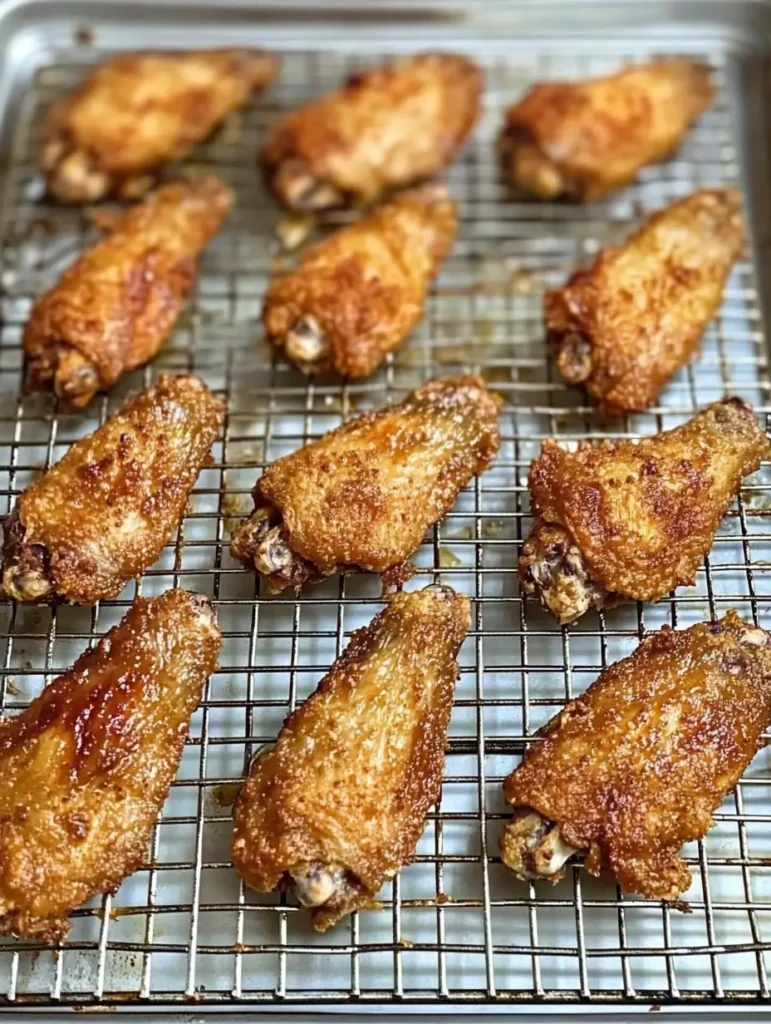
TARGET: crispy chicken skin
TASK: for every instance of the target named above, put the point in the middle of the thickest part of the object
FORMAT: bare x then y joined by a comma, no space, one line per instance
87,766
362,496
580,140
101,515
386,128
624,519
138,111
356,296
637,765
623,327
115,306
337,805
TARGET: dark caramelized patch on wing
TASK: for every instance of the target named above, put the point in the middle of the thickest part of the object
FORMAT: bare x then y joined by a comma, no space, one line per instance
138,111
636,767
115,306
622,328
386,128
363,496
583,139
85,768
340,799
101,515
356,296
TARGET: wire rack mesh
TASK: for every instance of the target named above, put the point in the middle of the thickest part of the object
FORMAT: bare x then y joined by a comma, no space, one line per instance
454,926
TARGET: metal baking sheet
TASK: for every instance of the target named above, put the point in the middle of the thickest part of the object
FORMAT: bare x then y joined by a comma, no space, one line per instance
455,928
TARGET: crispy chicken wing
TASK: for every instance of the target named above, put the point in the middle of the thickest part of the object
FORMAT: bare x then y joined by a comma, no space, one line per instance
362,496
337,805
622,328
634,520
101,515
84,770
384,129
637,765
138,111
356,296
115,306
583,139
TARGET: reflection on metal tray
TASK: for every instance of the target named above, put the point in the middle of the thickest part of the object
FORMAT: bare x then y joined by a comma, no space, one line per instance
454,926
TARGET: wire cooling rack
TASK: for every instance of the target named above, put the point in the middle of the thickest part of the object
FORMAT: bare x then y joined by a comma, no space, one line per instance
455,925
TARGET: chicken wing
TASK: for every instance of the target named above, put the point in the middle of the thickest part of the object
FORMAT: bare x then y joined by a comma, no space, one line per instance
138,111
113,309
620,519
337,805
85,769
101,515
583,139
637,765
362,496
354,297
622,328
384,129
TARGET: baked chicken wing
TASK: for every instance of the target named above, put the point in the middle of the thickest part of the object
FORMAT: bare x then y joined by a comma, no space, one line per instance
139,111
337,805
384,129
356,296
638,764
85,769
113,309
362,496
623,327
583,139
101,515
625,519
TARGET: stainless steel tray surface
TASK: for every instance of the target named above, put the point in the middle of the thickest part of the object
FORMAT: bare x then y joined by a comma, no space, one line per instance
454,927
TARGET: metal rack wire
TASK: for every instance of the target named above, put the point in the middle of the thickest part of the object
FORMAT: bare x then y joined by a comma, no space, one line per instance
454,926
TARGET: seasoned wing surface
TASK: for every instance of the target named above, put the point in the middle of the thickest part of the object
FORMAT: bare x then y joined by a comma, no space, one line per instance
356,296
86,767
138,111
115,306
384,129
101,515
626,325
637,765
336,806
583,139
635,519
363,495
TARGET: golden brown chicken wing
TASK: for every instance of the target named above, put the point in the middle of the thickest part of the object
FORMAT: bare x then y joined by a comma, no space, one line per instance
362,496
101,515
637,765
622,328
114,308
356,296
384,129
337,805
583,139
84,770
634,520
138,111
